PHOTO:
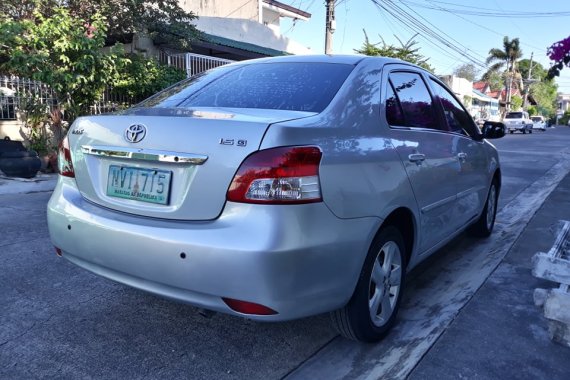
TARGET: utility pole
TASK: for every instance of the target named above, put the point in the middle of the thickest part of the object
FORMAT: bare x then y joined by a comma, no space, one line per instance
528,82
330,26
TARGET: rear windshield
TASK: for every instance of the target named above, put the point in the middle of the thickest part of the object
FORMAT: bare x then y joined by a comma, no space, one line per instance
514,115
282,86
536,119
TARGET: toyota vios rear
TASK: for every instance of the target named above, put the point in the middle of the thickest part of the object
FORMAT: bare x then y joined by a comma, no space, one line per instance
273,189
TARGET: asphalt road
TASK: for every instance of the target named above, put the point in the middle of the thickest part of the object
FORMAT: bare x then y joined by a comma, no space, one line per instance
59,321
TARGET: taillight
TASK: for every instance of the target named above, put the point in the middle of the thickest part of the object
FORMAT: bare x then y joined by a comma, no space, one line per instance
64,163
288,175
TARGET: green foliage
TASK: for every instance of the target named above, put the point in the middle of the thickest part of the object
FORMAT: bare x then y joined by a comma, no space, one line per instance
467,71
564,118
537,72
544,93
516,102
508,56
163,20
139,77
406,51
532,110
495,80
61,51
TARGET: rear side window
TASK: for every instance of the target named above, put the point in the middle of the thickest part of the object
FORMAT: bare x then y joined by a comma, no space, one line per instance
414,99
282,86
457,119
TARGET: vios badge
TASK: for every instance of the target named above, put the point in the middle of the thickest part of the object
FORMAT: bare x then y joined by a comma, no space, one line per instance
135,133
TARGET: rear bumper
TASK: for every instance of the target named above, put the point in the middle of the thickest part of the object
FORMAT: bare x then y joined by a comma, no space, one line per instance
298,260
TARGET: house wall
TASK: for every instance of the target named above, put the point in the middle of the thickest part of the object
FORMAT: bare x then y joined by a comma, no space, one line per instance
461,87
271,19
563,101
251,32
244,9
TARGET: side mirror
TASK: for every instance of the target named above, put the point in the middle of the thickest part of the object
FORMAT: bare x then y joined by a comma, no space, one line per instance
493,130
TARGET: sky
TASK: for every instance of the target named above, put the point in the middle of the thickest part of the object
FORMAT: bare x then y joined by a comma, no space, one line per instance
537,25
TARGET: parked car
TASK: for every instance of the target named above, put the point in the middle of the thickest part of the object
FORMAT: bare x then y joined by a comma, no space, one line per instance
518,121
278,188
538,122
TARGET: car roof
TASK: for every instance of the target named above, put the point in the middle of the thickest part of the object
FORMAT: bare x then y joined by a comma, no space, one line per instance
350,59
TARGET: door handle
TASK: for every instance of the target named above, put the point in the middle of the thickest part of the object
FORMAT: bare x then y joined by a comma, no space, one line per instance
462,156
417,158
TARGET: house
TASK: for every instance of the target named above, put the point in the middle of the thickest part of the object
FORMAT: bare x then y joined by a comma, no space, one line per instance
563,102
231,31
242,30
500,95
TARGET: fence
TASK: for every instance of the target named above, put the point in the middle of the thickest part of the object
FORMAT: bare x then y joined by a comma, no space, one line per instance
16,92
192,63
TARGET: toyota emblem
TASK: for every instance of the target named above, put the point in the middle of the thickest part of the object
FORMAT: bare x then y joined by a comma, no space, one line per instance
135,133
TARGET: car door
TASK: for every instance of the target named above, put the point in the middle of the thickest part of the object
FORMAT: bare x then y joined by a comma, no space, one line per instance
427,151
474,178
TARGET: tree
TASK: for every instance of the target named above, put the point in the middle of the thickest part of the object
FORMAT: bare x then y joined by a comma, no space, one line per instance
164,21
140,77
495,80
66,53
61,51
507,58
538,71
467,71
559,54
406,51
516,102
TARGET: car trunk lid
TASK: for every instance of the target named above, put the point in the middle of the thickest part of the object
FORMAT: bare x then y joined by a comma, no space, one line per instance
182,166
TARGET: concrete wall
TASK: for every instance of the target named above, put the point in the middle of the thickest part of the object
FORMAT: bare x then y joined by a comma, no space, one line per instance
251,32
243,9
271,19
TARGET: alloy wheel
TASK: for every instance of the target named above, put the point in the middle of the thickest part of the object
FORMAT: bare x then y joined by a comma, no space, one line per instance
385,283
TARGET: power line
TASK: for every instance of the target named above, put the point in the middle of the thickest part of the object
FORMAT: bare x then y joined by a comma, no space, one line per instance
486,12
425,31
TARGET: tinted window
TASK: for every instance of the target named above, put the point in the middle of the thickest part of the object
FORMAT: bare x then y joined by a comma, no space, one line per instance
514,115
394,113
457,119
415,100
284,86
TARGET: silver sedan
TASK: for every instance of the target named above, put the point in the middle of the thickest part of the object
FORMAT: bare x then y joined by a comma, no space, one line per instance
278,188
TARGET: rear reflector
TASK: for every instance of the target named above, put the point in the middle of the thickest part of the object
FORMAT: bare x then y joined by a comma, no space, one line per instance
287,175
248,307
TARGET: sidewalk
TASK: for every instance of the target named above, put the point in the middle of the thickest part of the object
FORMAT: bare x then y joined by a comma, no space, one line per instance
13,185
500,334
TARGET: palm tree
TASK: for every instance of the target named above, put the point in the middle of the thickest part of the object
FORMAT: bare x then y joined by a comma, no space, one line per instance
508,57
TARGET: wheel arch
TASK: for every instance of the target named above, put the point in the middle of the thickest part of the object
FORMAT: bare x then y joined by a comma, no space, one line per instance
403,219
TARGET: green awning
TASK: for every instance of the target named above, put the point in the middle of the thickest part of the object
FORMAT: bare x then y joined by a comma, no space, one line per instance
241,45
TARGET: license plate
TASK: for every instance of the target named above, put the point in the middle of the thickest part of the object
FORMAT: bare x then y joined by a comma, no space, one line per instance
146,185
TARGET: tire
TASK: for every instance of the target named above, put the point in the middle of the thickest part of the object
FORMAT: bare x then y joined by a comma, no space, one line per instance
524,131
19,154
483,227
530,131
372,309
26,167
